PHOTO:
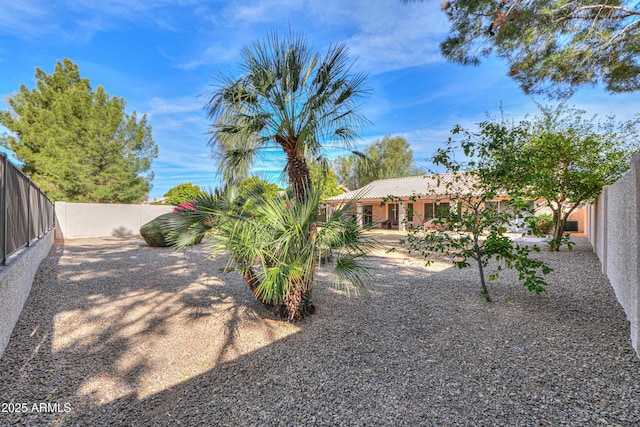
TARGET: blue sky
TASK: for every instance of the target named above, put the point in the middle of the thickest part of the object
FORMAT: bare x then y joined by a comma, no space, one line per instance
162,56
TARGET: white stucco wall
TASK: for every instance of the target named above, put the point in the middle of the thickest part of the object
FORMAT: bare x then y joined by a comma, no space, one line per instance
80,220
614,234
16,278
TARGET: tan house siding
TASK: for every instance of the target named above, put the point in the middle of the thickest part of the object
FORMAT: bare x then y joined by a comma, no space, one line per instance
419,190
580,215
379,212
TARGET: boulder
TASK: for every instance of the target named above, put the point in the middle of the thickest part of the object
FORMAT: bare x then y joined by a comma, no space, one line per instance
153,234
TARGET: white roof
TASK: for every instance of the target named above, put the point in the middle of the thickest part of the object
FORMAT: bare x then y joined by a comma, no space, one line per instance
421,185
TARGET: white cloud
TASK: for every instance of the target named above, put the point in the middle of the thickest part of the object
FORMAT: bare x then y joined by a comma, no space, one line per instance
26,19
623,106
384,35
80,20
180,105
182,156
217,52
122,9
254,12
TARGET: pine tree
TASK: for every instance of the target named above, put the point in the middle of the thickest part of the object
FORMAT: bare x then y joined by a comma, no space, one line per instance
77,144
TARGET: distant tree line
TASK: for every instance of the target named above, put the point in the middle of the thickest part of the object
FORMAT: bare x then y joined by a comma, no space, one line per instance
390,157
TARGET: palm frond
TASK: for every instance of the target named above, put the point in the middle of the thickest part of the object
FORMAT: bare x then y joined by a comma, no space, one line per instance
350,273
286,94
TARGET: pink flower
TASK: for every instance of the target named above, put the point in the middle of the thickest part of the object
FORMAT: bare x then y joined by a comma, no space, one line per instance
191,206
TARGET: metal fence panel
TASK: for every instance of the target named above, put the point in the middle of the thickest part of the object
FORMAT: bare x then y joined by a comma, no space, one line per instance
34,220
3,207
25,212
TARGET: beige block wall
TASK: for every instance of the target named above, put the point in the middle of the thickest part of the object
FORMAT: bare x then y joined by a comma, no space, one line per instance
614,232
81,220
16,279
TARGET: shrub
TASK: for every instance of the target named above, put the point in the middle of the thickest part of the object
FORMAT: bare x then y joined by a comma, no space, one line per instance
540,225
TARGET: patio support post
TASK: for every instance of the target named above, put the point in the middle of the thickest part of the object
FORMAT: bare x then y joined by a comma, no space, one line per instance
359,214
401,214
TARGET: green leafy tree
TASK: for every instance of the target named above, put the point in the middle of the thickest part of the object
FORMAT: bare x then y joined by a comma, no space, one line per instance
251,186
551,46
390,157
182,193
325,181
560,157
475,231
387,158
344,168
78,144
254,188
286,97
275,242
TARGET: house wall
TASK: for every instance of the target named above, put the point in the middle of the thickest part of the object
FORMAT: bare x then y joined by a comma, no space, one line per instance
418,212
81,220
613,230
579,215
379,213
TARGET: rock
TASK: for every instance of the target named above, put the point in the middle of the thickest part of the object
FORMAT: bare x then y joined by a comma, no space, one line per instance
152,232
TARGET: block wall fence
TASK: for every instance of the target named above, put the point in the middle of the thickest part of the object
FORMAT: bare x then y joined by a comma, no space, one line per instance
82,220
613,225
73,221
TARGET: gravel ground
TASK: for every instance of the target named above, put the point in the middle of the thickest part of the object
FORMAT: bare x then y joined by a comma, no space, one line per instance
117,333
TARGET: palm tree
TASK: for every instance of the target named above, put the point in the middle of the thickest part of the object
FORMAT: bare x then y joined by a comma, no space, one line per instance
289,98
300,102
277,246
276,242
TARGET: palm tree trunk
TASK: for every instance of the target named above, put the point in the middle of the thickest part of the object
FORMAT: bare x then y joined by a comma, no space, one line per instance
299,174
298,301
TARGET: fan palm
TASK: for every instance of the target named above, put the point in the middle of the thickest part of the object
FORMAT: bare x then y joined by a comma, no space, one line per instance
276,242
277,248
289,98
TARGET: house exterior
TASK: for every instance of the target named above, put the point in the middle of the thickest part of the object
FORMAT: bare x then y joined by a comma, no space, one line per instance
415,200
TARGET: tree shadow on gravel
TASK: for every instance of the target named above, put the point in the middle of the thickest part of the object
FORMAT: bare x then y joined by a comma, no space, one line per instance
423,348
119,319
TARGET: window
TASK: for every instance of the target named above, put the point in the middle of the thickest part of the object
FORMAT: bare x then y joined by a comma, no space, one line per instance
492,205
367,214
436,210
410,212
442,210
428,211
